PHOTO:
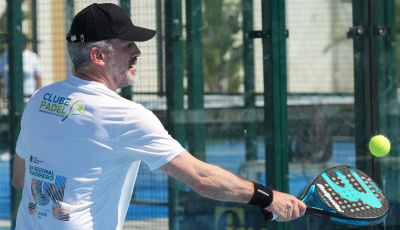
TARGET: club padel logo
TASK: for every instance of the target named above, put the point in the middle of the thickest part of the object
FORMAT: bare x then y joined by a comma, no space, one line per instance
62,107
78,108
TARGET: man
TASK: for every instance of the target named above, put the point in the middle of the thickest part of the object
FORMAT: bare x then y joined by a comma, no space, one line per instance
81,144
31,68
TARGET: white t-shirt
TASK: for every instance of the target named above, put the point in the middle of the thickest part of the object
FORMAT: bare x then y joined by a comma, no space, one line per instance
31,68
82,144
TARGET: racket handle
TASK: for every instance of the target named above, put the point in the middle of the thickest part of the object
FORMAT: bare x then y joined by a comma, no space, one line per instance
269,215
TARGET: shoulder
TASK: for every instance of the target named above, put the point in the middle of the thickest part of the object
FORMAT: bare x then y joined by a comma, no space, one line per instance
142,118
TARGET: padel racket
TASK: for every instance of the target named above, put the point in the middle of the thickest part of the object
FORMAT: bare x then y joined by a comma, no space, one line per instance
346,195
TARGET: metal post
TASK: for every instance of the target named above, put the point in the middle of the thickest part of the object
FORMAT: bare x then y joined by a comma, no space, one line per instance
249,92
15,92
275,98
366,88
34,26
175,96
127,91
69,16
361,73
388,109
196,138
160,50
372,90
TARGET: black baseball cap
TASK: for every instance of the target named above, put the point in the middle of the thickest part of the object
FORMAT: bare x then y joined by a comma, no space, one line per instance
106,21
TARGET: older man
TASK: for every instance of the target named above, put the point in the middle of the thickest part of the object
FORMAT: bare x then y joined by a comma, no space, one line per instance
81,144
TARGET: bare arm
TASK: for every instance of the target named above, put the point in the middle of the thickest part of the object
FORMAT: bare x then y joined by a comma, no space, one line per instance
216,183
209,180
38,82
18,172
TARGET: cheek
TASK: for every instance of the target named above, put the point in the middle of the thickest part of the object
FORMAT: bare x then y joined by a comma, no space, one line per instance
122,60
127,58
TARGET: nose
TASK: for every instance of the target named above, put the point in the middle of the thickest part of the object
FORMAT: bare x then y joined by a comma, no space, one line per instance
136,51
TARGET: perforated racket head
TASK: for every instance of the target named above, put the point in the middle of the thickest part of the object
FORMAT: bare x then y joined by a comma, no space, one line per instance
350,194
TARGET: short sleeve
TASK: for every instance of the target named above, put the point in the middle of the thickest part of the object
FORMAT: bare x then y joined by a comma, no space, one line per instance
143,137
20,146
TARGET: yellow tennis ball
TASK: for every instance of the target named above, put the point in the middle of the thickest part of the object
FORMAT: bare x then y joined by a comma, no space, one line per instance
379,145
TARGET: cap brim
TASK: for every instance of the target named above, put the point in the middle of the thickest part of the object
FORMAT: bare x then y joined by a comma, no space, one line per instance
138,34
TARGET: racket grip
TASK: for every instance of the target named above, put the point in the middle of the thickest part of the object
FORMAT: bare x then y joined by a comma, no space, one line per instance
269,215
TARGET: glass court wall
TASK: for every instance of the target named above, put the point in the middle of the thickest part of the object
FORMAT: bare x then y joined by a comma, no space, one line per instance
274,91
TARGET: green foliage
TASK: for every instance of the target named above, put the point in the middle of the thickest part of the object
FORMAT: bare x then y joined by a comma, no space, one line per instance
222,46
397,22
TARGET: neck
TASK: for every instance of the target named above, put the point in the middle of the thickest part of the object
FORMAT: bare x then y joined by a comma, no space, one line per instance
88,76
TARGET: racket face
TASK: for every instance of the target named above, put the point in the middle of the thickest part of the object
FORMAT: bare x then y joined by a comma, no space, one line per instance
350,193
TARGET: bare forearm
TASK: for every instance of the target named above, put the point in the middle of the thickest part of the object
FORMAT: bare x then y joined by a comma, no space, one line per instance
219,184
38,82
209,180
214,182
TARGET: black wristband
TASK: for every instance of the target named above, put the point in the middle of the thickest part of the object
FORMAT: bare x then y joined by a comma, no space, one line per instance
262,197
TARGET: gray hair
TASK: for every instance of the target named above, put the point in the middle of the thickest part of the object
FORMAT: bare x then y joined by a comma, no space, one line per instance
79,52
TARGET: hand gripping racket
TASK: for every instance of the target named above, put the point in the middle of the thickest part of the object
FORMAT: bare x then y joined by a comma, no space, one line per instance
345,195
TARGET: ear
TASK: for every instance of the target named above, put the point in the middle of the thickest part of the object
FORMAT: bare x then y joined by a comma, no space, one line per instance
97,55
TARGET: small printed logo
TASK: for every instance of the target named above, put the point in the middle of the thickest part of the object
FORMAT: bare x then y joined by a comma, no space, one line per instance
78,108
58,106
35,160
